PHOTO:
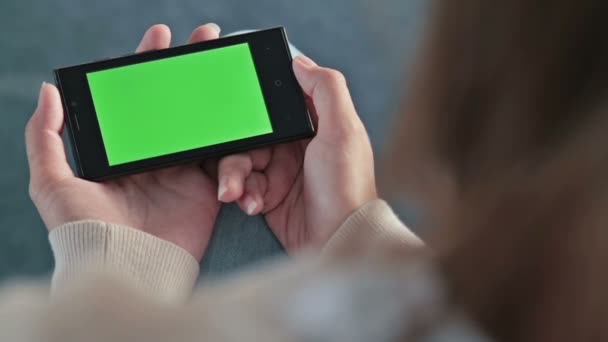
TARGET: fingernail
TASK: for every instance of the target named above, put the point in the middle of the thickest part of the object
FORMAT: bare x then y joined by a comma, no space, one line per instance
222,188
306,61
251,206
215,27
41,98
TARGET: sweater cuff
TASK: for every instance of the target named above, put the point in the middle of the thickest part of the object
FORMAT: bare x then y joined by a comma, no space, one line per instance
374,221
152,265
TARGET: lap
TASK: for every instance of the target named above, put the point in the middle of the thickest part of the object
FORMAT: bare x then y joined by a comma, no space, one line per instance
238,240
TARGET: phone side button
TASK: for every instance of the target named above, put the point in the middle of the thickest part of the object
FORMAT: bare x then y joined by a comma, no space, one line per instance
76,122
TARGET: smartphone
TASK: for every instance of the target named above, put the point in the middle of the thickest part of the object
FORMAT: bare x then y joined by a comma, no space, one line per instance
161,108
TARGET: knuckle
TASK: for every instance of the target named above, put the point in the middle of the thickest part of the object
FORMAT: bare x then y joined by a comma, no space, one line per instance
237,162
29,126
359,128
35,192
351,131
333,77
32,191
228,160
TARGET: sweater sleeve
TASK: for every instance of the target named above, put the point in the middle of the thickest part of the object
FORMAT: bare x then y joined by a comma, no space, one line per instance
152,265
373,222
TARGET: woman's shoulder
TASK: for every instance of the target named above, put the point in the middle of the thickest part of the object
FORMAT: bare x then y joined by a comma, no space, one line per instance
381,294
386,293
380,297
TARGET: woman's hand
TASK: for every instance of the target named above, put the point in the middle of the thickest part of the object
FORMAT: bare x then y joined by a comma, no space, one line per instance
307,189
177,204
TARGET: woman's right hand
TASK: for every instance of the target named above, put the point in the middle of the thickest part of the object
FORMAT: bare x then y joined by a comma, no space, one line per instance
306,189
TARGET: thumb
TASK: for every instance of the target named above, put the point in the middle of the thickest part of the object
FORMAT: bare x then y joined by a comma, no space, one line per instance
45,150
330,96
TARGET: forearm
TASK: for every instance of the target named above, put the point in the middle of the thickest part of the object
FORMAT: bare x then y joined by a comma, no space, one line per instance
152,265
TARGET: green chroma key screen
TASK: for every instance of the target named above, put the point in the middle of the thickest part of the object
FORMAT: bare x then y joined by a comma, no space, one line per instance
179,103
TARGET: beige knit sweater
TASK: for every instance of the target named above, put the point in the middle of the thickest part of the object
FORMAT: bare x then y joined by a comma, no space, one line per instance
115,283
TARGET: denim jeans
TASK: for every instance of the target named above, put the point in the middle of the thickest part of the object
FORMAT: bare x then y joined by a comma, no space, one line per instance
238,240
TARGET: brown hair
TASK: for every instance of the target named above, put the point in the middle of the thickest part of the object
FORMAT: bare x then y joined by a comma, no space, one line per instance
504,140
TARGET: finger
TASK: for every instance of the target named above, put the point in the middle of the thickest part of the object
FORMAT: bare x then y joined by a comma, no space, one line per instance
282,172
205,32
44,147
156,37
252,201
232,171
260,158
330,95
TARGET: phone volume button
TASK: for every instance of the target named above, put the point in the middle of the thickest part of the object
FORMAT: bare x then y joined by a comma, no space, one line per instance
77,124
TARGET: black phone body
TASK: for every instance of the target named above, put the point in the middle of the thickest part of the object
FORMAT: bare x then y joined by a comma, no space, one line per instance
167,107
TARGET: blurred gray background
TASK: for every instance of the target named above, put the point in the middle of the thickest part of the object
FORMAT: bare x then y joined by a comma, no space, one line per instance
371,42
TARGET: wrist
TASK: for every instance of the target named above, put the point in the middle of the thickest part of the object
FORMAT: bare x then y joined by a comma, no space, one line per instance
354,207
372,222
194,239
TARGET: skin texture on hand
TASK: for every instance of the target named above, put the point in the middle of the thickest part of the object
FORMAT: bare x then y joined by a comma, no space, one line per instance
306,189
176,204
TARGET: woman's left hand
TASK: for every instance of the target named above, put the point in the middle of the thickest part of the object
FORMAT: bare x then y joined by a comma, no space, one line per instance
177,204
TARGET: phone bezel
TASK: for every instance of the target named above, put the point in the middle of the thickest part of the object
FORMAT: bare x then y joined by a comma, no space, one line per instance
284,100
